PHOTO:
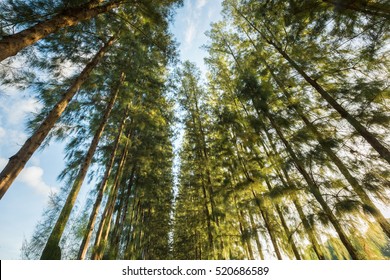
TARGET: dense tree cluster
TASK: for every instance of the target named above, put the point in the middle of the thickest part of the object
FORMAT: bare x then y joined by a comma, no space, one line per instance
286,148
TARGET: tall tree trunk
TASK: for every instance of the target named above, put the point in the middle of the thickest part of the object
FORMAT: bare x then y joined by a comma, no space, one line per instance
121,218
268,226
129,251
309,229
12,44
362,130
208,220
256,235
56,234
313,188
359,190
92,218
104,226
306,223
245,237
207,189
278,210
370,138
290,238
17,162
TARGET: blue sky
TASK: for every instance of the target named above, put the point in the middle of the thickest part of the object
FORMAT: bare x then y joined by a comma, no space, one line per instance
192,21
22,205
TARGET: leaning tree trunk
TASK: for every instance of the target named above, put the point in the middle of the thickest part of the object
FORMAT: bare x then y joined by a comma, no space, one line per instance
256,235
245,239
92,218
268,226
121,218
309,228
359,190
277,207
52,243
313,188
370,138
18,161
104,226
362,130
12,44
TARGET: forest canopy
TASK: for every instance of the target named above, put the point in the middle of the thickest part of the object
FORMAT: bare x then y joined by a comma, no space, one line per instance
285,147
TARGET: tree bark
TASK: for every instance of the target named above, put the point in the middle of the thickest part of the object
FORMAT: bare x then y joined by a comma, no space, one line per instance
12,44
18,161
56,234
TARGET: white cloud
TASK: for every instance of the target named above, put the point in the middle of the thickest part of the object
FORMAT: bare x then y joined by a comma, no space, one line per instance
18,108
190,32
193,21
2,132
200,3
33,178
11,140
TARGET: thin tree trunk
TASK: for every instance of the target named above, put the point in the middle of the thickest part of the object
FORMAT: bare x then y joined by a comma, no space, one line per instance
133,223
245,238
268,226
17,162
206,160
355,254
370,138
306,224
359,190
278,210
92,218
304,219
208,220
256,234
56,234
12,44
206,188
105,222
121,218
309,230
288,233
115,225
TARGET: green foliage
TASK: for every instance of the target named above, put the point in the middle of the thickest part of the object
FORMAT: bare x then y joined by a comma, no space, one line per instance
268,166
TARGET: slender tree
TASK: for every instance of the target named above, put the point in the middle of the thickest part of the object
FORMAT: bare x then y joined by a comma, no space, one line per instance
19,160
